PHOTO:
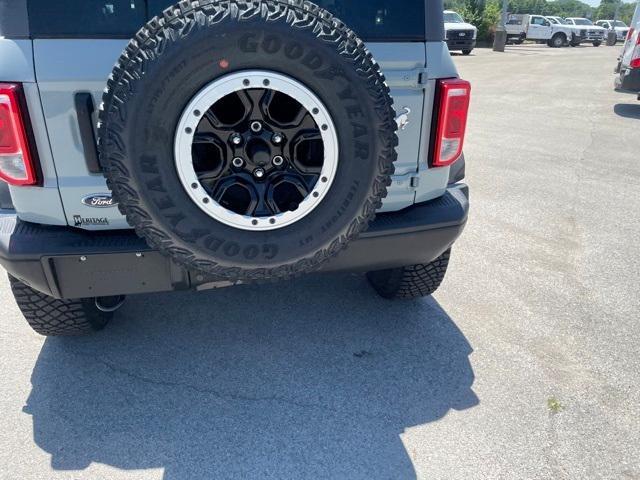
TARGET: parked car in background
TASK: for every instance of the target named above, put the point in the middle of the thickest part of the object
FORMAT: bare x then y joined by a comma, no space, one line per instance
619,27
516,32
460,35
628,69
537,28
575,30
589,33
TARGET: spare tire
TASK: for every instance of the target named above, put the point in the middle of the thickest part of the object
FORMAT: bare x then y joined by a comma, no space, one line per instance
250,140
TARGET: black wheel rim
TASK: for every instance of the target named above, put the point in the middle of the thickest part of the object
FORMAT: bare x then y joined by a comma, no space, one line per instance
258,152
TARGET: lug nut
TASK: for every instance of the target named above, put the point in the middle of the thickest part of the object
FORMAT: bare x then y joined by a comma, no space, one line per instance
258,173
278,160
256,126
277,138
236,139
237,162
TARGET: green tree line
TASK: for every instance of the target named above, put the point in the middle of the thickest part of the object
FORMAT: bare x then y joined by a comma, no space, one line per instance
485,14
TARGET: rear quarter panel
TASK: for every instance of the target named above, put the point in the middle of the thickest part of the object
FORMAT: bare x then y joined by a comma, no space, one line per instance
35,204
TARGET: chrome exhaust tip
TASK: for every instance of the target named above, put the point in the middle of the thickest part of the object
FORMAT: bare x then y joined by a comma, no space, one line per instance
109,304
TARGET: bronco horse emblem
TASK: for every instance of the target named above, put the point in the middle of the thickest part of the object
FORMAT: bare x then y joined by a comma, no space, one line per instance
403,119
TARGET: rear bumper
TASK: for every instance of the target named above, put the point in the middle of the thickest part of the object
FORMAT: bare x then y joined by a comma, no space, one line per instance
65,262
628,80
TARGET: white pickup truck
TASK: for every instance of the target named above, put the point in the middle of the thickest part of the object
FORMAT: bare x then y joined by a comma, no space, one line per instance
576,30
619,27
588,32
460,35
537,28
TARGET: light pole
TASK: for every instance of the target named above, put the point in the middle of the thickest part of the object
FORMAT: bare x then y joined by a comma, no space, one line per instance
612,36
500,38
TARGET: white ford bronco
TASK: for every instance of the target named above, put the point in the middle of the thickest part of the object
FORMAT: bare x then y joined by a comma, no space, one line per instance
152,146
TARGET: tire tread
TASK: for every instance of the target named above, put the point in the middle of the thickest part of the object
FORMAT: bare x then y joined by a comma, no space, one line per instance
54,317
412,281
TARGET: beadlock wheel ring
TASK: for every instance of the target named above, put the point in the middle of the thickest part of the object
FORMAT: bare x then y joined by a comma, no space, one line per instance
245,81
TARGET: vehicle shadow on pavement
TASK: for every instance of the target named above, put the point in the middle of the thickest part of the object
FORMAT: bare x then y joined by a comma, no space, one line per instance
313,378
627,110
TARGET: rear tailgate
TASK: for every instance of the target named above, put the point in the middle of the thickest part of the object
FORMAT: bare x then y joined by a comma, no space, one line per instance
75,45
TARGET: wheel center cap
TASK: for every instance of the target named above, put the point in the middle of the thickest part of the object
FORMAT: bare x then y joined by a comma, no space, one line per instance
258,152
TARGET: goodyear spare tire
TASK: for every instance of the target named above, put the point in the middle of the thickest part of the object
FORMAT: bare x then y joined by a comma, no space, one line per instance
247,139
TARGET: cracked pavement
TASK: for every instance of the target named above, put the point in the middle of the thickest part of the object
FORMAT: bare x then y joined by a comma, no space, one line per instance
318,378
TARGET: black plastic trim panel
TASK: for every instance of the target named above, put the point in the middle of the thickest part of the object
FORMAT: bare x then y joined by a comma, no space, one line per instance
371,39
628,80
466,44
14,21
457,170
14,24
84,111
5,197
434,21
65,262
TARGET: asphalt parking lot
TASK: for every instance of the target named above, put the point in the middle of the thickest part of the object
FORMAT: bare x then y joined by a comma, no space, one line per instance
525,364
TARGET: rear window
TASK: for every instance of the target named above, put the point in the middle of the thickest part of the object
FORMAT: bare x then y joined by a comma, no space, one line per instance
381,20
85,18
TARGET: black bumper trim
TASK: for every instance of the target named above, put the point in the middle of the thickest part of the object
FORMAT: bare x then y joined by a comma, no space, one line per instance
628,80
466,44
65,262
590,38
5,197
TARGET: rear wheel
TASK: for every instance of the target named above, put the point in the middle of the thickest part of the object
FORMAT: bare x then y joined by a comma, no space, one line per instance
597,44
466,52
413,281
54,317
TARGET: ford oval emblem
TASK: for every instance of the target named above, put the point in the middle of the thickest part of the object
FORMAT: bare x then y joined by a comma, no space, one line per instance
99,200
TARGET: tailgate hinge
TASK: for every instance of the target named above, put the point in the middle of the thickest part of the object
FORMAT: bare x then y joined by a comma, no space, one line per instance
422,77
410,181
414,78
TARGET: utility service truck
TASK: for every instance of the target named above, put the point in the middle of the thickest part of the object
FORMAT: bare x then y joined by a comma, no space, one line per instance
537,28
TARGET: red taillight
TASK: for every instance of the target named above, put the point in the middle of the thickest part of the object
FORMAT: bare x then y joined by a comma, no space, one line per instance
454,95
16,162
635,56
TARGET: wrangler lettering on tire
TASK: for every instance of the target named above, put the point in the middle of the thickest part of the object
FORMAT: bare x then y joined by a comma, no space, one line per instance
250,140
